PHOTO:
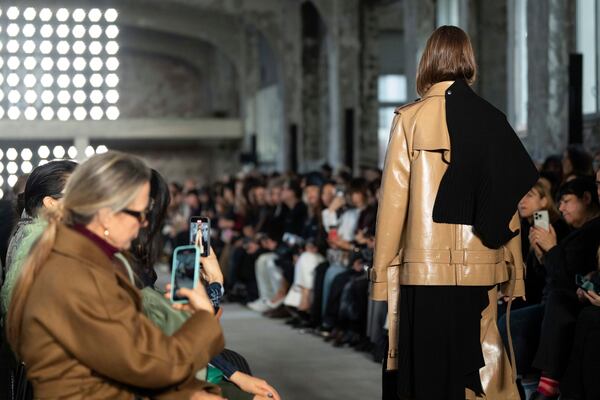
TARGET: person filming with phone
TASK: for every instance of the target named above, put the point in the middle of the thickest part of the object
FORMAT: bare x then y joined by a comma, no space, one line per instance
75,318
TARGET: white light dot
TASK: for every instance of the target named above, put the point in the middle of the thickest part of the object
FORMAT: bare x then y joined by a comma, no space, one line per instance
26,154
14,96
30,63
46,47
79,63
29,46
79,97
63,64
14,112
43,162
89,151
28,30
12,167
111,31
62,47
47,115
112,63
79,80
62,31
78,31
112,113
30,96
13,79
94,15
63,81
72,152
47,96
29,14
112,80
96,96
62,14
12,30
96,64
79,113
96,113
110,15
12,180
12,12
112,96
112,47
30,113
44,152
12,46
46,30
63,113
101,149
26,167
12,154
78,47
45,14
63,98
13,62
95,48
29,80
47,63
96,80
47,80
58,151
78,15
95,31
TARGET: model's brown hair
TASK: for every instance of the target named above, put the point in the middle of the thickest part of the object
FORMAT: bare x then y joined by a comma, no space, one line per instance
448,56
110,180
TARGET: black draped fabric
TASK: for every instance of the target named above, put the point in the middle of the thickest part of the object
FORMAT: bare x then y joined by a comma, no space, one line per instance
439,347
489,171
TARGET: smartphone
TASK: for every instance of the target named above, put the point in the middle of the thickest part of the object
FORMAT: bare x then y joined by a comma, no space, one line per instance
339,191
541,219
333,233
185,271
586,284
200,234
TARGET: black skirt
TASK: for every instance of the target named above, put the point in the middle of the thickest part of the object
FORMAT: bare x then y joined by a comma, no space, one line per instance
439,347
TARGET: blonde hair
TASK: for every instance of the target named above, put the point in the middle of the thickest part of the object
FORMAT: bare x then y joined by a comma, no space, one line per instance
110,180
448,56
542,189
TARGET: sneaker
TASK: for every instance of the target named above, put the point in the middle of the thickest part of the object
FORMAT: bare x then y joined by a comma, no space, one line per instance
259,305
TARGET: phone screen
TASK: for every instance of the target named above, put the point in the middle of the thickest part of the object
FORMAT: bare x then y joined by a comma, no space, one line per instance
200,234
184,271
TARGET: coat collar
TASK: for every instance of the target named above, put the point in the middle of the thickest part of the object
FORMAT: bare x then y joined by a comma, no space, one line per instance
438,89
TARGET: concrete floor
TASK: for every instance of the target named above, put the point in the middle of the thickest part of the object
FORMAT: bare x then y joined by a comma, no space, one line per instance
300,366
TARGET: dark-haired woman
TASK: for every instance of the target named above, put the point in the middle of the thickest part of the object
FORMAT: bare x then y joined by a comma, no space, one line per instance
43,190
144,253
575,254
447,233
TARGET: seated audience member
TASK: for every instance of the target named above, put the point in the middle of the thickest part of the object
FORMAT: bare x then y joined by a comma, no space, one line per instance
526,317
575,254
580,381
145,252
43,191
86,335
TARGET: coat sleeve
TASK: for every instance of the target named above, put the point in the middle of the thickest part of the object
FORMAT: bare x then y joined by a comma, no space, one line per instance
101,327
392,209
514,259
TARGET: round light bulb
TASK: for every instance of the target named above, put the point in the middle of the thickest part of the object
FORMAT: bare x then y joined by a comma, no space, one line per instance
12,46
45,14
96,113
112,47
47,115
111,31
96,64
72,152
14,96
63,81
30,63
110,15
79,97
94,15
96,96
26,166
89,150
13,62
79,63
96,80
47,63
12,12
95,48
30,114
79,80
62,31
63,114
79,113
95,31
46,47
101,149
112,80
26,154
12,167
62,47
78,15
29,14
46,31
79,47
12,180
29,80
112,63
29,46
62,14
28,30
43,152
12,30
12,154
63,64
63,98
13,112
47,80
112,113
59,151
112,96
78,31
47,97
13,79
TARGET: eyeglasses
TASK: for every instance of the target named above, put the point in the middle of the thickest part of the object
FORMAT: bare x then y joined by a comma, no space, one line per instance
141,216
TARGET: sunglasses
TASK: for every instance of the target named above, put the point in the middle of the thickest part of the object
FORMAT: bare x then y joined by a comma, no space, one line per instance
141,216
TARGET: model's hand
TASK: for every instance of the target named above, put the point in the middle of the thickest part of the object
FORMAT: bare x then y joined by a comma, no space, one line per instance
593,297
211,270
256,386
197,299
543,238
206,396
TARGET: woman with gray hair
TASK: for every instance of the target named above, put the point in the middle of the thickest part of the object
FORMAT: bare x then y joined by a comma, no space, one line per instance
76,319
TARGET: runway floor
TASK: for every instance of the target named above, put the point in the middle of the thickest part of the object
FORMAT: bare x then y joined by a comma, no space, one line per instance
300,366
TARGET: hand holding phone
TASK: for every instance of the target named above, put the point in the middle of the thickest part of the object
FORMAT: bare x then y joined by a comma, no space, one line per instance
541,219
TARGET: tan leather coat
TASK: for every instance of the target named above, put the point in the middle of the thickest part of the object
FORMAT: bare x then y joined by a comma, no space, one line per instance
411,249
85,336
